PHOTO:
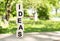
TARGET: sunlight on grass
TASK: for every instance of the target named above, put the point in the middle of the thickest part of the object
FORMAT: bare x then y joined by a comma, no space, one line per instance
30,26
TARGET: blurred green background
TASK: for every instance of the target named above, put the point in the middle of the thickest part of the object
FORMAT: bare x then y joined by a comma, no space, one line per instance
48,16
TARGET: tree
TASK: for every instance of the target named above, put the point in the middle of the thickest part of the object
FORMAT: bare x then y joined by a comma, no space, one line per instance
42,6
2,9
55,3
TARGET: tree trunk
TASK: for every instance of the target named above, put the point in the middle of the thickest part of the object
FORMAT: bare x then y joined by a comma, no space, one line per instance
56,11
8,12
8,9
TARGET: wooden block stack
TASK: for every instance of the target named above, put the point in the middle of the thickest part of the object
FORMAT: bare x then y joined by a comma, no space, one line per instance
19,21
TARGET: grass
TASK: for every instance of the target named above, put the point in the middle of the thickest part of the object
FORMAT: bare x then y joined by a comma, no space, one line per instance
43,26
31,26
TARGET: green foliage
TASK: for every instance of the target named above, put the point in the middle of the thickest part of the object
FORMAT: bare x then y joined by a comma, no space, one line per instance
43,6
13,11
43,13
25,13
2,8
31,26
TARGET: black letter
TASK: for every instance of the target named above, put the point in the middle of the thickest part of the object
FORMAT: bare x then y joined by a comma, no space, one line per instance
19,6
19,13
19,20
21,27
